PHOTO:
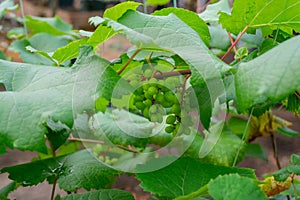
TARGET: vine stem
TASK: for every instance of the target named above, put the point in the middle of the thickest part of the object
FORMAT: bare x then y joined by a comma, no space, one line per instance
243,138
231,41
172,73
235,42
54,186
128,61
71,138
273,141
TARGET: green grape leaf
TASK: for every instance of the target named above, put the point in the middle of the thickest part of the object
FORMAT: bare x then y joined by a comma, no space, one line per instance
255,151
270,77
226,188
57,133
54,26
122,127
8,189
19,46
47,42
211,13
191,19
287,132
225,150
295,159
219,38
282,174
183,176
157,2
118,11
70,51
73,171
267,15
292,168
169,33
38,48
101,195
36,94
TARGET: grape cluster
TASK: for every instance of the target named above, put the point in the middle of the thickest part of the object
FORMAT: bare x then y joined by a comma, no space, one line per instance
156,98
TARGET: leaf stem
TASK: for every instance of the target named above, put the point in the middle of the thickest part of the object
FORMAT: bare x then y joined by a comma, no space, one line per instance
128,61
231,41
54,186
71,138
200,192
172,73
242,140
273,140
235,42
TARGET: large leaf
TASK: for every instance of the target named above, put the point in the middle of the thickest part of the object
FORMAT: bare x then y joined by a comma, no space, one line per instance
169,33
268,15
183,176
235,187
39,93
123,128
211,13
54,26
270,77
74,171
43,42
101,195
190,18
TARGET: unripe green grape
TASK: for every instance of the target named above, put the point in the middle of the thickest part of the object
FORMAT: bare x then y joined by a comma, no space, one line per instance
172,82
148,73
146,112
159,98
169,96
152,90
167,104
176,109
153,109
146,86
169,129
138,98
140,105
148,96
156,117
139,91
171,119
147,102
160,109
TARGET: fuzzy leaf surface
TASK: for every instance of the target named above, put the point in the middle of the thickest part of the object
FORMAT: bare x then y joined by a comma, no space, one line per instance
268,15
36,94
226,188
270,77
74,171
184,176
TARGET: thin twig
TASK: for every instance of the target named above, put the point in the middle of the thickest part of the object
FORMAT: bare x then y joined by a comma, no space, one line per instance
128,61
54,186
235,42
273,140
183,89
71,138
85,140
231,41
173,73
243,138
